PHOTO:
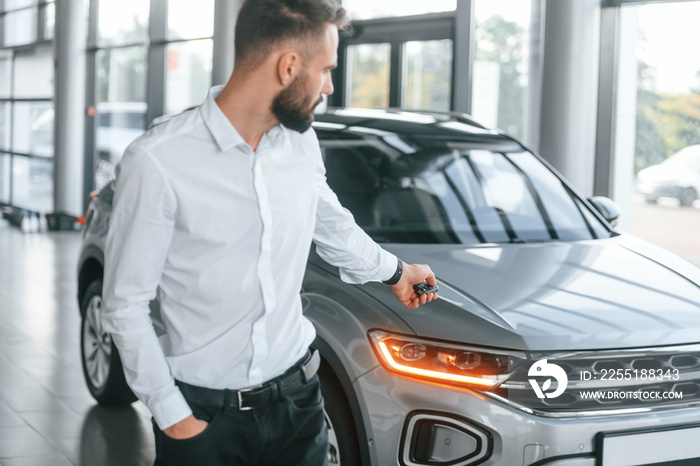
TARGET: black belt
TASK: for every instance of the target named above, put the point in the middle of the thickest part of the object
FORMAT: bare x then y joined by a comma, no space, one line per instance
254,397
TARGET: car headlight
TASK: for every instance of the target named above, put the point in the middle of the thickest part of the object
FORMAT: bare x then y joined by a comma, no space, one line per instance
446,363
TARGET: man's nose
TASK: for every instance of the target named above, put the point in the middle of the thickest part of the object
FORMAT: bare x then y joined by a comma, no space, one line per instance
327,86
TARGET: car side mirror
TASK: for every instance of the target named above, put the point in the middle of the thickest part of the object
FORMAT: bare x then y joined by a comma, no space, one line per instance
607,208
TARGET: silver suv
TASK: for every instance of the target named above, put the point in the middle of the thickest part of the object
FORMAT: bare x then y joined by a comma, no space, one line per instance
556,340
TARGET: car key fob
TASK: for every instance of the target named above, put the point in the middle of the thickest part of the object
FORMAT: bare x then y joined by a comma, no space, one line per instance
424,288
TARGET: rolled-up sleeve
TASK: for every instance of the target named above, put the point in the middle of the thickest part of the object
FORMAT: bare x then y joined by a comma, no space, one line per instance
140,232
341,242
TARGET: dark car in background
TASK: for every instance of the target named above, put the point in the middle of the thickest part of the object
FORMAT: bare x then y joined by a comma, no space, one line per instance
542,306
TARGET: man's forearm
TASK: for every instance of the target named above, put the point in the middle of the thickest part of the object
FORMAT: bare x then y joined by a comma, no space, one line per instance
145,367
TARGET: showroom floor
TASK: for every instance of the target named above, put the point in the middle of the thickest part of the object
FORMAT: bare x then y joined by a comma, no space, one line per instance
47,417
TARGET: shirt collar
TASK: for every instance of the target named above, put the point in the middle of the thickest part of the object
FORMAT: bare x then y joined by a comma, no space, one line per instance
223,131
219,126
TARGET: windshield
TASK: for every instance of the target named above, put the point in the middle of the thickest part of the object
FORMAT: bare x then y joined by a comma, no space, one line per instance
456,192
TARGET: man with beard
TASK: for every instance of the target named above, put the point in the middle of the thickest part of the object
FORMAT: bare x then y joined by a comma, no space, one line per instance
214,214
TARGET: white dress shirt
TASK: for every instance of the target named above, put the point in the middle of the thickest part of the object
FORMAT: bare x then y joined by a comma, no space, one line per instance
220,234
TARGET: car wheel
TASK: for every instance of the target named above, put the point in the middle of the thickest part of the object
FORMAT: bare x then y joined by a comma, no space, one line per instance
652,199
102,367
343,446
688,197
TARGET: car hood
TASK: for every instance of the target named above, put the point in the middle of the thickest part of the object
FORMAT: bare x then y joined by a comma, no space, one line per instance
603,294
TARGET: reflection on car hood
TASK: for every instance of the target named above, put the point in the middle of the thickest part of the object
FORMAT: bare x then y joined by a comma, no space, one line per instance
556,296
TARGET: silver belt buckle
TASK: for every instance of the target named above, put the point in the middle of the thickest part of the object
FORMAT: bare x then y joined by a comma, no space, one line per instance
240,397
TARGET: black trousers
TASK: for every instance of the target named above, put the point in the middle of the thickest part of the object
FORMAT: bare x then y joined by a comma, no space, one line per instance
288,431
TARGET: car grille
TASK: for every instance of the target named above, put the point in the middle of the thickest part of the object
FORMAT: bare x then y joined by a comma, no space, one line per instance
647,372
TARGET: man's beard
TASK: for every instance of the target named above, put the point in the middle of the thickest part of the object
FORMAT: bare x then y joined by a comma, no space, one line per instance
292,108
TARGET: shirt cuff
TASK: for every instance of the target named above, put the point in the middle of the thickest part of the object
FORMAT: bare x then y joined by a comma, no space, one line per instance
170,410
389,263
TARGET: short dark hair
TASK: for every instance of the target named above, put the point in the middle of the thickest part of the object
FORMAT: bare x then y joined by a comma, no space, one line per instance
263,24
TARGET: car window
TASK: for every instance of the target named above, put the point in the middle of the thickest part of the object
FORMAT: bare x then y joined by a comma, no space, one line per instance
557,201
453,193
506,195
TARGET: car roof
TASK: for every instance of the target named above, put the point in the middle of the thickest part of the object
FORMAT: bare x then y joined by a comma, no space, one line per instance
451,125
416,123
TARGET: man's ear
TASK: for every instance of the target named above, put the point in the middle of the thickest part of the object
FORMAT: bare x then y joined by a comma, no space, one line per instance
288,66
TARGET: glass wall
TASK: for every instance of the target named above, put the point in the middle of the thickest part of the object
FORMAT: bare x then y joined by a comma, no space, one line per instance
427,75
122,22
188,74
33,74
190,20
5,179
189,54
26,104
367,70
32,129
32,185
121,99
405,63
127,58
410,62
121,53
664,129
5,74
5,125
121,76
500,79
20,27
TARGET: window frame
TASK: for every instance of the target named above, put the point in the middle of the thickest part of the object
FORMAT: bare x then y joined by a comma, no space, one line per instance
459,26
11,52
156,44
395,31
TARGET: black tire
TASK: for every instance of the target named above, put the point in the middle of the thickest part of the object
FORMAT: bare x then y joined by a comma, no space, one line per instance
688,197
102,366
343,448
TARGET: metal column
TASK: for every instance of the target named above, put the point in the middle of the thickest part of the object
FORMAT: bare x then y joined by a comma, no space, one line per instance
69,121
624,129
463,56
531,133
609,56
570,89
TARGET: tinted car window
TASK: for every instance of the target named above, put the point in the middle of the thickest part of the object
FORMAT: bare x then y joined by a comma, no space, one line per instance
559,203
453,192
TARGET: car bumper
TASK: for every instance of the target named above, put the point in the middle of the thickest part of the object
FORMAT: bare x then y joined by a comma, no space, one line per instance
516,437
